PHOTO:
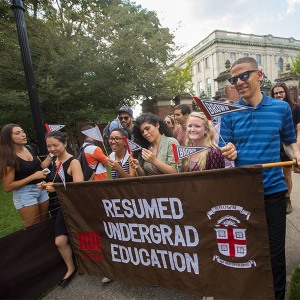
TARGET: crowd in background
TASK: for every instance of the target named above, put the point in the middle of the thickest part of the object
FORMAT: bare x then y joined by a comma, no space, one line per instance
31,179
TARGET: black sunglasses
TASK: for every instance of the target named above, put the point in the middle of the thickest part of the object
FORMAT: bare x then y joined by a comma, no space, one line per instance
243,76
125,118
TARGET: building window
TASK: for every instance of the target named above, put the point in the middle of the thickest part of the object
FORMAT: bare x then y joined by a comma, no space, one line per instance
246,54
198,67
258,59
280,64
200,88
206,62
232,57
194,70
208,87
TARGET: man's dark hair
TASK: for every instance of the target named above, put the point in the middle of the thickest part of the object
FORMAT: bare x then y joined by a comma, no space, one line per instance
288,97
185,109
246,60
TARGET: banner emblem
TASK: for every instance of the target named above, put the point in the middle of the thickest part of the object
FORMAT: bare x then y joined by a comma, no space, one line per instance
231,238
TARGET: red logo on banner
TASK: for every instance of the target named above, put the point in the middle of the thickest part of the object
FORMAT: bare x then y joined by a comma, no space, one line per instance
231,241
90,241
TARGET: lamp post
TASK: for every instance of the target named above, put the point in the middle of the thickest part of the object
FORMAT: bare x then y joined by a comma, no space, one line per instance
18,9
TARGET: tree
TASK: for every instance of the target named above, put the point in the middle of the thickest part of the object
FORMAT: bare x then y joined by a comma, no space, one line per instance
296,64
177,79
88,57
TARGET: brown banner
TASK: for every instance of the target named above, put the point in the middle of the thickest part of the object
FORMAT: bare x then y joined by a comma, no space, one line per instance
30,262
204,233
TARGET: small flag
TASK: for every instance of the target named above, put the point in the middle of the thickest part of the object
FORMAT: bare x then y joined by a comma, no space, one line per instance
94,133
217,108
181,152
61,174
132,145
126,144
202,107
53,127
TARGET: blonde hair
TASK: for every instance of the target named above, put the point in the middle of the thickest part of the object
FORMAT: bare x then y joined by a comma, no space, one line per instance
209,141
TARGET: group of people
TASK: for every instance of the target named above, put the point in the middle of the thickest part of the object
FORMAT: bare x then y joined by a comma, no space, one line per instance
248,137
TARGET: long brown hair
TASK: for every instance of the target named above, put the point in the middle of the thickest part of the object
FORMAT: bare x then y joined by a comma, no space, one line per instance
8,157
288,97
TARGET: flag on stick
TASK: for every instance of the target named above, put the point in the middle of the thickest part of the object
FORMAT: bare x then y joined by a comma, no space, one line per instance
60,172
181,152
53,127
212,108
132,146
94,133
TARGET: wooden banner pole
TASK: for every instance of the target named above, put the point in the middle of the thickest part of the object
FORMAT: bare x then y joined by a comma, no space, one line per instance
280,164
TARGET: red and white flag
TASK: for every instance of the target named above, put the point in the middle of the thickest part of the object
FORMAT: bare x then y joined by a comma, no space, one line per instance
181,152
60,172
53,127
212,108
94,133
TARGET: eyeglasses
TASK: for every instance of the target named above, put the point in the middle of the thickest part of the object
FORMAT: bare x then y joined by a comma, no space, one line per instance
125,118
279,93
243,76
116,139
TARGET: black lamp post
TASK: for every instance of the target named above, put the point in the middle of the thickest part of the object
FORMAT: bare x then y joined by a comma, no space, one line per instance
18,9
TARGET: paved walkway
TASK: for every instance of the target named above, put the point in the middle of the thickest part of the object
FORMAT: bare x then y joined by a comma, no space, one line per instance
88,287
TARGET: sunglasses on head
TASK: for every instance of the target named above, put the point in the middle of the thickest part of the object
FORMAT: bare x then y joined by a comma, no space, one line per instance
243,76
125,118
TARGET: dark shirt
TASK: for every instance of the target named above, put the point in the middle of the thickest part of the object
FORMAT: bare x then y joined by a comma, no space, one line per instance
27,168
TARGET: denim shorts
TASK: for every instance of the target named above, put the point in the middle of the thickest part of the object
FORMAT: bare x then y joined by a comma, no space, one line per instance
29,195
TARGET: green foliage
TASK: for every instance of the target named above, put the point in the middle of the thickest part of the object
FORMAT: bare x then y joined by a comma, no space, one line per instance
294,292
10,220
296,64
88,58
178,79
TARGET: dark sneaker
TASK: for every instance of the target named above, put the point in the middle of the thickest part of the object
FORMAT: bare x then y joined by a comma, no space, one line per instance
289,207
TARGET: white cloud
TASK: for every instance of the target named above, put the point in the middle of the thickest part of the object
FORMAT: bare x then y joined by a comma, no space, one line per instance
192,20
292,6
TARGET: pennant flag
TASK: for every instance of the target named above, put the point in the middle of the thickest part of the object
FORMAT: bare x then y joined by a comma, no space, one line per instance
181,152
202,107
132,145
60,172
126,144
94,133
217,108
55,127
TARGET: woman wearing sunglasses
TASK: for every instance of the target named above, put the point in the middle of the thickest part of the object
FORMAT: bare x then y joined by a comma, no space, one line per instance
119,158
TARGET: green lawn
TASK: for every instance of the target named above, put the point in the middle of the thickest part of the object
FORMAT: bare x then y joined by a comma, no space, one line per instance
10,220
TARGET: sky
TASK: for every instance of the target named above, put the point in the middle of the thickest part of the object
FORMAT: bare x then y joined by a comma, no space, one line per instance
190,21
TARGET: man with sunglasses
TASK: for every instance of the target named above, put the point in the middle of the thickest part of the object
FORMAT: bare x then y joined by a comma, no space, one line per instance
125,116
253,137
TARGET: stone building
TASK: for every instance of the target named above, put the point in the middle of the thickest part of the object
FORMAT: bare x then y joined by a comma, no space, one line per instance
211,54
213,57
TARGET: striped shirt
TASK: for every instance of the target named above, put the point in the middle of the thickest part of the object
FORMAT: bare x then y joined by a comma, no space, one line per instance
256,134
124,163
